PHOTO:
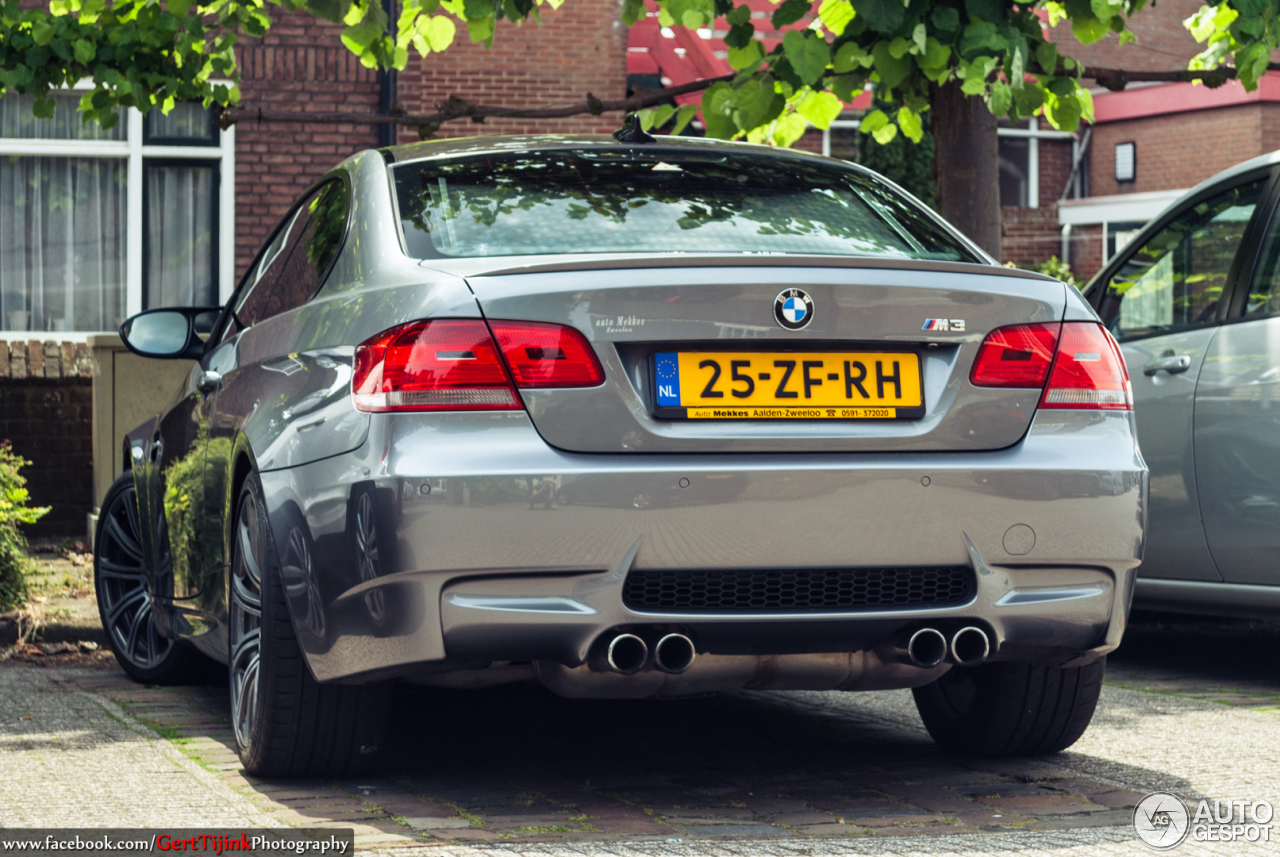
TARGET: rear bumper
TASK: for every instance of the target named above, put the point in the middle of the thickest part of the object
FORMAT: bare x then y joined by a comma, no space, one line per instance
494,547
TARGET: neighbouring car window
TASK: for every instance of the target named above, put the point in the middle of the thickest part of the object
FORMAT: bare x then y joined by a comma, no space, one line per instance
1264,290
660,200
1175,280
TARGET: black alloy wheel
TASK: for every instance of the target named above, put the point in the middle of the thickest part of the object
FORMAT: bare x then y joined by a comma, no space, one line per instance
286,723
124,601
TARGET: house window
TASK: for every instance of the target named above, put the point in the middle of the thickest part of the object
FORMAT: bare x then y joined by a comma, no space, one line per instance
103,223
840,140
1126,162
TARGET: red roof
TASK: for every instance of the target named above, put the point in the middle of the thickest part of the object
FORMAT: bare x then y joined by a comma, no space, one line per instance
682,56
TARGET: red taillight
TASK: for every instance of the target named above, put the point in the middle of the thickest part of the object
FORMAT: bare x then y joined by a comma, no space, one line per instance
1017,356
454,365
1089,371
547,355
1079,360
446,365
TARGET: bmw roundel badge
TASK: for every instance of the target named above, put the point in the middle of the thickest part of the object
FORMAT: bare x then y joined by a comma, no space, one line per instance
793,308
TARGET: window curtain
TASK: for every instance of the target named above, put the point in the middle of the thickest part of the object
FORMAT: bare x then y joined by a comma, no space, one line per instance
180,238
62,243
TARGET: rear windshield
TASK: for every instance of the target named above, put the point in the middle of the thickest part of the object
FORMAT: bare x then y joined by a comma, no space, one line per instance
657,201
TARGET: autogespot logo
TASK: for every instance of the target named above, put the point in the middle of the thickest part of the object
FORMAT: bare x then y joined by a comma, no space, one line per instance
1161,820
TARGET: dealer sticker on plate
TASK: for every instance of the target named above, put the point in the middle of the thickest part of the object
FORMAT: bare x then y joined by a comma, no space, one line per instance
788,385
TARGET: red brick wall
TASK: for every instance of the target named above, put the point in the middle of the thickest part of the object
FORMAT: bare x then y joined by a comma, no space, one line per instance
1163,43
579,48
1029,235
1182,149
299,65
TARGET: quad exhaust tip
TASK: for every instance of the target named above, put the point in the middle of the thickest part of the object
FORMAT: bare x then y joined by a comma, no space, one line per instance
927,647
627,654
674,654
970,646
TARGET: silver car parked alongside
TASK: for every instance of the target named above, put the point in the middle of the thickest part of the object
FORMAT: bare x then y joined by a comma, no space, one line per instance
627,419
1194,301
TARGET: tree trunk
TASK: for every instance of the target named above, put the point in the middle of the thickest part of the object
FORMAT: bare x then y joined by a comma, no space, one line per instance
966,164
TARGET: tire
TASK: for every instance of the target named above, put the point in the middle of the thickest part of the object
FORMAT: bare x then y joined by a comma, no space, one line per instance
124,602
1009,708
286,723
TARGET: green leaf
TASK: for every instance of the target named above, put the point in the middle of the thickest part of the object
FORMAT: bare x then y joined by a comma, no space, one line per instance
789,128
84,51
836,15
885,135
480,29
920,35
755,103
632,11
946,19
789,12
1105,10
935,55
1000,99
361,36
892,71
354,15
898,48
739,16
808,55
43,108
873,121
178,7
846,86
909,122
1088,29
329,10
820,108
683,117
991,11
849,57
715,112
740,58
439,31
478,9
1047,56
1028,100
42,32
883,16
982,37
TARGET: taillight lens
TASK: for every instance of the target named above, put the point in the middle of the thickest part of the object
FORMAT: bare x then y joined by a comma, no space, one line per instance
1079,360
1017,356
455,365
1089,371
444,365
547,355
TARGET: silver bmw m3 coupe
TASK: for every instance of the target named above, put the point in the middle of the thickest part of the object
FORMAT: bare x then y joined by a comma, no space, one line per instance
626,419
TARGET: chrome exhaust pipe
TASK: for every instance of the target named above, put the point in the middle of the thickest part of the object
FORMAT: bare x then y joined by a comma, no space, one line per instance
626,654
970,646
927,647
674,654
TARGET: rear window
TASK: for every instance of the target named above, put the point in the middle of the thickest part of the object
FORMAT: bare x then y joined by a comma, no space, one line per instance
657,201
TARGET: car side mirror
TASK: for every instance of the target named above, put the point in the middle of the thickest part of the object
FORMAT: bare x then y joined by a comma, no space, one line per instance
168,334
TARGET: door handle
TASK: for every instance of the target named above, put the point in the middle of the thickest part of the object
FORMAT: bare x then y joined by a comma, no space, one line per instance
1172,365
210,382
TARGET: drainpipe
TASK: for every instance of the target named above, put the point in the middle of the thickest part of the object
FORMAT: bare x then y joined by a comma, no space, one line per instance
1066,244
387,87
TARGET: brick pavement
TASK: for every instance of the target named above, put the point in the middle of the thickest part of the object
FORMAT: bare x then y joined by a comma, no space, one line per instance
517,769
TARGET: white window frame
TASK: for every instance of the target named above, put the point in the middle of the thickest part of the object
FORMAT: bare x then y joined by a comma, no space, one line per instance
1033,134
132,148
837,123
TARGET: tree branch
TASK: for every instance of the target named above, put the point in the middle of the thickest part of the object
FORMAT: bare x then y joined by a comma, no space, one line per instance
1115,79
460,108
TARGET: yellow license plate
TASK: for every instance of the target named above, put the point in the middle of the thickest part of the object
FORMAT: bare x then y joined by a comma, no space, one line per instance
840,385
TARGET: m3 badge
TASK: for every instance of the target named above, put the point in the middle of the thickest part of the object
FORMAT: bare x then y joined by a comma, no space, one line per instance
948,324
